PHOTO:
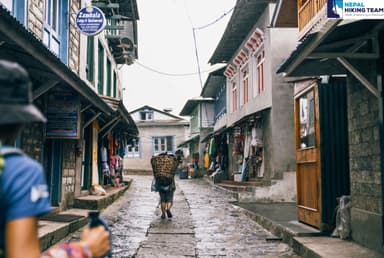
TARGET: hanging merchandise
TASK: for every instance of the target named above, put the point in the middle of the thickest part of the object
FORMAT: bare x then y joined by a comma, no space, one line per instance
212,148
206,160
104,164
238,145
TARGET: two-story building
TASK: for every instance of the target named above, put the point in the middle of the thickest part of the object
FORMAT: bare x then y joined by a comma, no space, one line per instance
338,68
160,131
259,119
42,37
201,113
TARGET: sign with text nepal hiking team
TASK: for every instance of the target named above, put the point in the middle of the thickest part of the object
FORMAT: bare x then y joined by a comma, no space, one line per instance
363,9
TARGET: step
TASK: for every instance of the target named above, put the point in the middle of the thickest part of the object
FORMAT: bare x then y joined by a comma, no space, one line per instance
94,202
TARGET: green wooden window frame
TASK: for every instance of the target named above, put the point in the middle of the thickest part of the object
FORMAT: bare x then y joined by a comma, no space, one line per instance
100,82
90,59
109,77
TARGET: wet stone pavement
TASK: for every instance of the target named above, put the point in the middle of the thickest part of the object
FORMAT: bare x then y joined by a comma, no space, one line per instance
204,224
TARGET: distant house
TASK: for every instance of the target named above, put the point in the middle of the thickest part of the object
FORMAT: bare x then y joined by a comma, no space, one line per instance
159,132
201,111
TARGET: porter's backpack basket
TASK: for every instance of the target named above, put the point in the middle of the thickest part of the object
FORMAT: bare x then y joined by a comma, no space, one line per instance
164,165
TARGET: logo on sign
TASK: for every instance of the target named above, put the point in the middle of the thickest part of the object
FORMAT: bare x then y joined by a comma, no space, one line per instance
90,20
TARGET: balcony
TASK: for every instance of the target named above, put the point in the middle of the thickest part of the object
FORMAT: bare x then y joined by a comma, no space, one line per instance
308,11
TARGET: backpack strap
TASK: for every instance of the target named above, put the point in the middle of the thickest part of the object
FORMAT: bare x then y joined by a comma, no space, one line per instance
4,153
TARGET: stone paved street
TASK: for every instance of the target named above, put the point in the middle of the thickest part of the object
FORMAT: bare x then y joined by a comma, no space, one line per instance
205,224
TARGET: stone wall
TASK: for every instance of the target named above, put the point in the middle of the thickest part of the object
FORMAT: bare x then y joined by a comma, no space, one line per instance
33,141
74,39
36,17
69,173
365,171
364,148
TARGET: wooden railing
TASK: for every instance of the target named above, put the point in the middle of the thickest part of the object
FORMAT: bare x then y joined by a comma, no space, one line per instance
308,10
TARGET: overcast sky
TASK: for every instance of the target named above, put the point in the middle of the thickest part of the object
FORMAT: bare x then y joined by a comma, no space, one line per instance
165,44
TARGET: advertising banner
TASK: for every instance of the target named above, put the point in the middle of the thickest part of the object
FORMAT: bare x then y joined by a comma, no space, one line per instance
360,9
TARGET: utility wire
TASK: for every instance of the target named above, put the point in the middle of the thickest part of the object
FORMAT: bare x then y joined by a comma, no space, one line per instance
215,21
197,58
172,74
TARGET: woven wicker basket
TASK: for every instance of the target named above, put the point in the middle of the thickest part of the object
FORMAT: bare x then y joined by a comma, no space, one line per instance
164,165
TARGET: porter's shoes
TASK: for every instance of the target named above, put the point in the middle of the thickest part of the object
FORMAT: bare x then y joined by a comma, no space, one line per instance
169,214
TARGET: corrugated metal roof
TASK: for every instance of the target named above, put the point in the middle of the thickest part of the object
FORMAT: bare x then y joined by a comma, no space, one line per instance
244,17
215,80
310,66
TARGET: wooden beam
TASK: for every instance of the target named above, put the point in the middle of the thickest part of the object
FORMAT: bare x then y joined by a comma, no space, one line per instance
345,55
106,5
110,128
44,88
109,123
361,78
85,108
91,120
114,27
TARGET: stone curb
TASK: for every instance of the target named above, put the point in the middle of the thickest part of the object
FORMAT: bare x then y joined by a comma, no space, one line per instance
59,230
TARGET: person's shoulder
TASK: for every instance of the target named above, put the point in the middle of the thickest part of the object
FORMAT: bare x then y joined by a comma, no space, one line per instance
22,163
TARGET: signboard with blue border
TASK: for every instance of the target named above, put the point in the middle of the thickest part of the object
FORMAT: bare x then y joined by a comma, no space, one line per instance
90,20
355,9
63,116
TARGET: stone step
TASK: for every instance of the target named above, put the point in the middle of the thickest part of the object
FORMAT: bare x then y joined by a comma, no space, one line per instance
92,202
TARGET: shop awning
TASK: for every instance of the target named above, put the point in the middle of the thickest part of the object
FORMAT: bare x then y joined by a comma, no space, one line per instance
120,121
46,69
323,52
187,142
217,132
191,104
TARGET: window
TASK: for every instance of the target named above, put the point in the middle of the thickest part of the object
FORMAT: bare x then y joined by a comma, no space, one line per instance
17,8
146,115
55,27
100,81
234,97
244,99
133,150
163,144
260,72
307,120
90,58
114,85
109,77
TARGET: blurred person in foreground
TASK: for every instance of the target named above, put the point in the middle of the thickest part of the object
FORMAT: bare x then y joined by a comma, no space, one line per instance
23,190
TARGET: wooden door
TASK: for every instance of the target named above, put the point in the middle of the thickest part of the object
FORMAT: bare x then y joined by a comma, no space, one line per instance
308,154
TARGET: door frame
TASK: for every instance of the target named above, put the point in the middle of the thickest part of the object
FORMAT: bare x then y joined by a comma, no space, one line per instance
309,203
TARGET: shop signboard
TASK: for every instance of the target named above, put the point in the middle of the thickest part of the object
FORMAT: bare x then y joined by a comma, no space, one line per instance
90,20
63,115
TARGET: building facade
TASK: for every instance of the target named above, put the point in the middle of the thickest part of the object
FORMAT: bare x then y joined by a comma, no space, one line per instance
44,40
159,132
259,119
339,62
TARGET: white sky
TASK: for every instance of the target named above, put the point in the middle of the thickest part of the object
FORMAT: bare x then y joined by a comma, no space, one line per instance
165,43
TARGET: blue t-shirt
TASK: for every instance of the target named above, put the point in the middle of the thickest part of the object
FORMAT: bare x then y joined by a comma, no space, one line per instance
24,190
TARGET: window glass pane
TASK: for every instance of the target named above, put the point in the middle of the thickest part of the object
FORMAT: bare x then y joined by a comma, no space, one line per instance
47,11
46,38
55,15
307,120
169,143
55,46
